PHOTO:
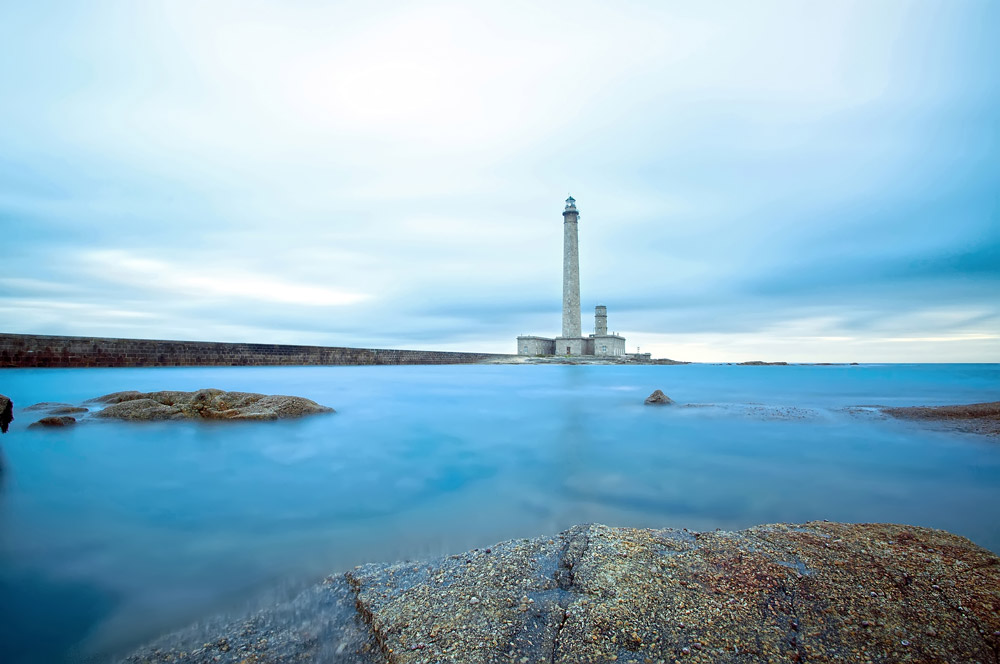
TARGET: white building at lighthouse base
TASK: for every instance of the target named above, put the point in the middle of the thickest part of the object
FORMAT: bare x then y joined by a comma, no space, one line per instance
599,344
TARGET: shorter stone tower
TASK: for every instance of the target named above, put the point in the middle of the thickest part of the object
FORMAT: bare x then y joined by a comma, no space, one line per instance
600,320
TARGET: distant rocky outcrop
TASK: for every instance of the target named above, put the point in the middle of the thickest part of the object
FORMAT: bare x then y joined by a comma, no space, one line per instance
208,404
784,593
6,413
975,418
53,422
760,363
658,398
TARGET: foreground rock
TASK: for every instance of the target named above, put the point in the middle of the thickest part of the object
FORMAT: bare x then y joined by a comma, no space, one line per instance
977,417
53,422
658,398
816,592
208,404
6,413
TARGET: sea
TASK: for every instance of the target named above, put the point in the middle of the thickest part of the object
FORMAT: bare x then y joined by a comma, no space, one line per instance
112,533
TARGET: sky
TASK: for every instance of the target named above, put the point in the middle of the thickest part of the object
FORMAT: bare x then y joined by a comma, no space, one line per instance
798,181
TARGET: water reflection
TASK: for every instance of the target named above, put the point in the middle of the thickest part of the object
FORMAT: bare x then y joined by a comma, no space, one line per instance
151,526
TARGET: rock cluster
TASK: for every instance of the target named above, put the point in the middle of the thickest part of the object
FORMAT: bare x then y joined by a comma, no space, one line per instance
204,404
791,593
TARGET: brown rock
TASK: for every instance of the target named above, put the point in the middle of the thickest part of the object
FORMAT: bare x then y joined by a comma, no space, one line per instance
54,421
658,398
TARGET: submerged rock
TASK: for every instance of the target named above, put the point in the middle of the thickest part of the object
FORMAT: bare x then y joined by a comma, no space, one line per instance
816,592
57,408
68,410
46,405
54,421
204,404
6,413
658,398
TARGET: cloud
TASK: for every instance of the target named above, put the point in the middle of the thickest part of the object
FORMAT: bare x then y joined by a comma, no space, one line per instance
327,173
191,280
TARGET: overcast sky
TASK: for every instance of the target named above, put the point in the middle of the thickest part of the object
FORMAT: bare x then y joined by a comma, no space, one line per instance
802,181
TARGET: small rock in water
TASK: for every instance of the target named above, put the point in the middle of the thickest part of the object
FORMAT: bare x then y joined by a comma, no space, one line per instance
658,398
60,421
49,406
68,410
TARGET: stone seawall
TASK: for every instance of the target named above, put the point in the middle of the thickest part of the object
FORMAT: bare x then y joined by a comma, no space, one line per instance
31,350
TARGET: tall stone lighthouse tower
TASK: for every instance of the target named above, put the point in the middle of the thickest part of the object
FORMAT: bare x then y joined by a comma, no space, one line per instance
571,341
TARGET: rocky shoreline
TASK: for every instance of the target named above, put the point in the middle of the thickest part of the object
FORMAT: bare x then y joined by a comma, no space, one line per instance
812,592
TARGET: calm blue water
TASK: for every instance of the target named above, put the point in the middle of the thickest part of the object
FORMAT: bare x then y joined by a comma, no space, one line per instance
111,533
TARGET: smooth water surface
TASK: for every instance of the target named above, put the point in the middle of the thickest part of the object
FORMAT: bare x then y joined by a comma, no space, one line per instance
114,532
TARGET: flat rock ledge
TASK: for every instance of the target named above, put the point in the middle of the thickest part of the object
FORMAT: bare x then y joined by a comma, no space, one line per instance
817,592
209,404
981,418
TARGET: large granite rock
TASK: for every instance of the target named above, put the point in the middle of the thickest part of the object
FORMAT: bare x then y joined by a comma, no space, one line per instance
204,404
6,413
784,593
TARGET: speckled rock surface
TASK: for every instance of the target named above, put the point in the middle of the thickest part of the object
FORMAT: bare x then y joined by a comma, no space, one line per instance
819,592
204,404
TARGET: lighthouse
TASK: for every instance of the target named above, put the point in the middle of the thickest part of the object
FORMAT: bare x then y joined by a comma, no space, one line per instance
572,331
572,341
